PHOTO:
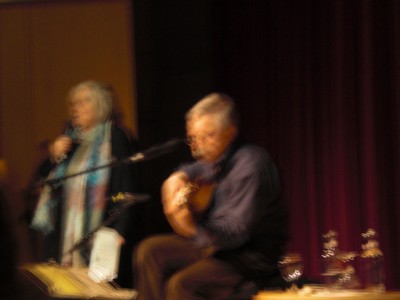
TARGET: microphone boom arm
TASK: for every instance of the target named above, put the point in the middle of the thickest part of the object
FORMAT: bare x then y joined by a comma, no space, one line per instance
151,153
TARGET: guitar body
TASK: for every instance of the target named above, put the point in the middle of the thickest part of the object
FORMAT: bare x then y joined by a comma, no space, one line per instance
200,199
196,197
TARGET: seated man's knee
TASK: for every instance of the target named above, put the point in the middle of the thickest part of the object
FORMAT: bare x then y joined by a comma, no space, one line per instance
151,249
145,250
179,285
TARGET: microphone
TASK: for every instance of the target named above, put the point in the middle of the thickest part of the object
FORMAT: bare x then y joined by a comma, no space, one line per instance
156,151
75,135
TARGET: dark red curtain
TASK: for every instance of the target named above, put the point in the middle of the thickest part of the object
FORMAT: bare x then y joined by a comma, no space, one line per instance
318,85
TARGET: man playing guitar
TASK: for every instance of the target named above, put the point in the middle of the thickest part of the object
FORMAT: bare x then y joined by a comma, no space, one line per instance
238,235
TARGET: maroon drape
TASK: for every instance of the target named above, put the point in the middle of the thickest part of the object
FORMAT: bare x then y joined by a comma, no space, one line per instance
318,85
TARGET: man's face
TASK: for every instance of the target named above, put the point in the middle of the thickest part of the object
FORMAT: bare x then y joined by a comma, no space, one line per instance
208,139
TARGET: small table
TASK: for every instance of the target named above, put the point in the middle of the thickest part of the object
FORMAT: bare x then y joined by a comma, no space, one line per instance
342,295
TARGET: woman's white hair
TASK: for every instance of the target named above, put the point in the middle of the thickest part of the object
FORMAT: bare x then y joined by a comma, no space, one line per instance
101,94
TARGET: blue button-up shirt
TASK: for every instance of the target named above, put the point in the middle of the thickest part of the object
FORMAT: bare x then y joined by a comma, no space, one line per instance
246,207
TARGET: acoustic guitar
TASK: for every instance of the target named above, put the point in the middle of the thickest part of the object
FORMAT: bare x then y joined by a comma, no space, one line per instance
197,197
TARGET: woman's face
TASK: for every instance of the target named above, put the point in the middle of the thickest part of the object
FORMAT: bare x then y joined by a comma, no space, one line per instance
82,110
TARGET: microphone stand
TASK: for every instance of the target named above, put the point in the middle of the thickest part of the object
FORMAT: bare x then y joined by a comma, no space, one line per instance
129,200
55,182
151,153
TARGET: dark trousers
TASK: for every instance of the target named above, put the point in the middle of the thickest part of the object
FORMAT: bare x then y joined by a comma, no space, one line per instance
171,267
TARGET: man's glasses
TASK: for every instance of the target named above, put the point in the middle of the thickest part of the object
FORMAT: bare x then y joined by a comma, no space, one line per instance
200,139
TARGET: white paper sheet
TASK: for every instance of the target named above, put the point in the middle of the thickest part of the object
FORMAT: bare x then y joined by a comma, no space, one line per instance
104,259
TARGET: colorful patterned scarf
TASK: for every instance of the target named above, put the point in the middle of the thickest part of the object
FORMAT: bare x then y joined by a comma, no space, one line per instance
83,197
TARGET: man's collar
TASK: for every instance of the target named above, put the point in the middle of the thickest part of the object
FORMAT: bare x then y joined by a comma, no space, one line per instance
220,165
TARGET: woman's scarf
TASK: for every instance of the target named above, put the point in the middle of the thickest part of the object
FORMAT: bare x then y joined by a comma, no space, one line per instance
83,197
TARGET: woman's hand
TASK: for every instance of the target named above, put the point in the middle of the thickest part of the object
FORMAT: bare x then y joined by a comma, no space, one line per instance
121,240
60,147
